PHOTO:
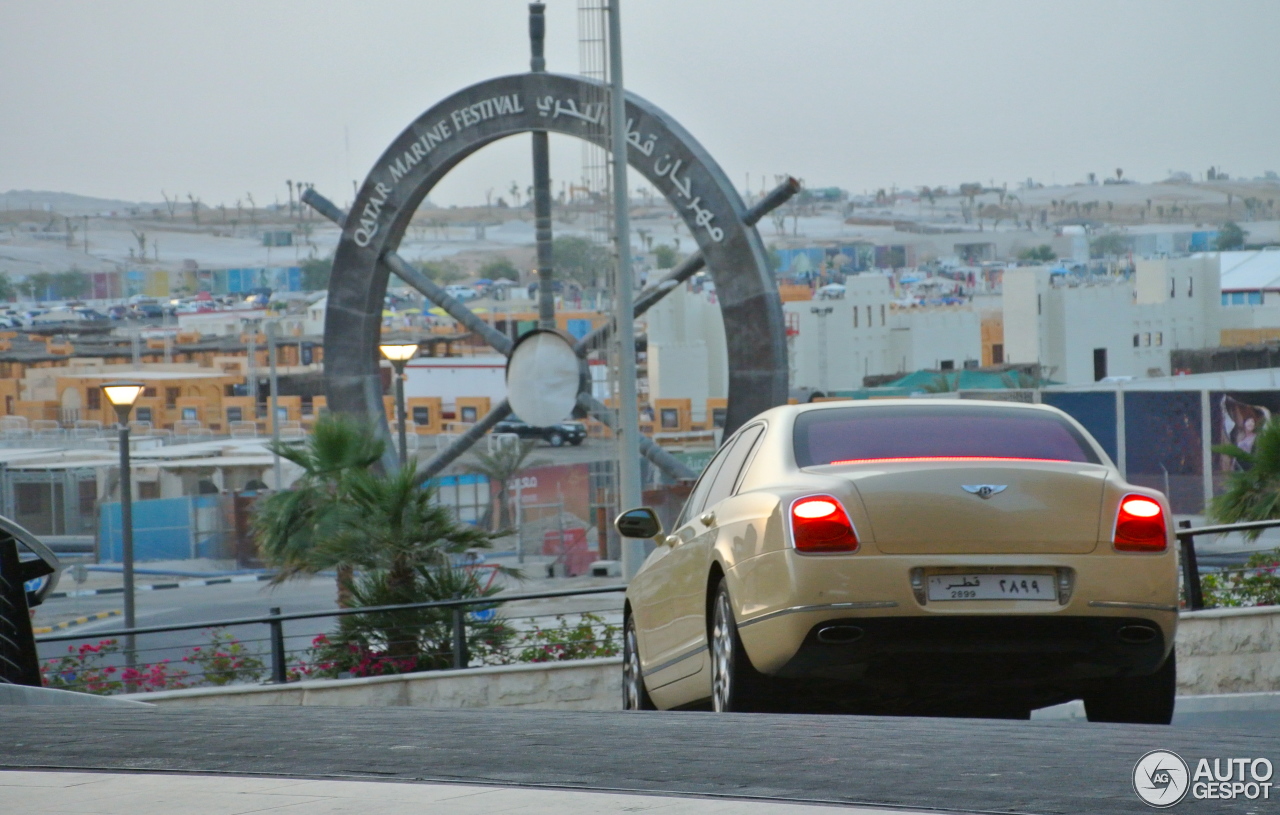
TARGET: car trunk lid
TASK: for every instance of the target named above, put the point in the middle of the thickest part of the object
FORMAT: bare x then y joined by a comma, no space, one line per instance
991,507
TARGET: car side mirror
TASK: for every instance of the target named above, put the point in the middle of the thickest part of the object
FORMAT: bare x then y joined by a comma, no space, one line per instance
638,523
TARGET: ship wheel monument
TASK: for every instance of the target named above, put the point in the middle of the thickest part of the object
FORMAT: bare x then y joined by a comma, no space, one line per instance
656,146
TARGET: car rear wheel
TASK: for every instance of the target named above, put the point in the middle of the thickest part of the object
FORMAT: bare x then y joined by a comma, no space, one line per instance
555,440
634,694
735,685
1136,699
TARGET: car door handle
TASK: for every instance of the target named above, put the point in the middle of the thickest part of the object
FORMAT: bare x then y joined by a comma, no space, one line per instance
708,519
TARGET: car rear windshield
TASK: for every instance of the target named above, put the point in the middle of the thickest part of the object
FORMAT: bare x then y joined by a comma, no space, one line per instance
838,435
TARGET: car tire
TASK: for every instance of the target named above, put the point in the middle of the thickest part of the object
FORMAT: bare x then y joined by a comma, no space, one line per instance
634,694
555,440
735,684
1136,699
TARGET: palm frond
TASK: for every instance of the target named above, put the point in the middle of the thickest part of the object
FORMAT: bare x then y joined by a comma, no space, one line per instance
505,462
1252,494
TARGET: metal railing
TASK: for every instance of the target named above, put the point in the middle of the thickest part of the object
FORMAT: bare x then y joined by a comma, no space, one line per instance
277,667
1191,577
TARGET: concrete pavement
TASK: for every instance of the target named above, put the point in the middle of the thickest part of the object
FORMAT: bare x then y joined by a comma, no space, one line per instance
143,794
952,765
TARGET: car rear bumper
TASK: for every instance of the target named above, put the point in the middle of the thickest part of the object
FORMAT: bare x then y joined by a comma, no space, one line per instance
967,651
783,598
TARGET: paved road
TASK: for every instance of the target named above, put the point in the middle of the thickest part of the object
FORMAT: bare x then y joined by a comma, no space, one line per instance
947,764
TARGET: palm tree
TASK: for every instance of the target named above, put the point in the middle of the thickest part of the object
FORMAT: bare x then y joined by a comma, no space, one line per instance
1021,380
290,525
1253,493
345,514
404,543
500,466
942,384
394,526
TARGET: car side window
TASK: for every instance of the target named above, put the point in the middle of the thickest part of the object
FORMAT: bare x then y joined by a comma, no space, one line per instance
722,484
699,494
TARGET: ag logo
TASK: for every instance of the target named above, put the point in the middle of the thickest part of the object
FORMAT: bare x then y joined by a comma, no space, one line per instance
1161,778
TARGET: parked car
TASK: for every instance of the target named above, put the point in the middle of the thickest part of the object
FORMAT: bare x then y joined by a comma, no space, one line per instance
555,435
903,556
147,311
67,315
459,292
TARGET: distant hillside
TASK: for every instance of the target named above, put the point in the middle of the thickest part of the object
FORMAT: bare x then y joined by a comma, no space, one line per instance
66,203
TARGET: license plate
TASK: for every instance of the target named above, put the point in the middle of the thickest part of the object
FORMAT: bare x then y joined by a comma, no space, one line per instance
991,587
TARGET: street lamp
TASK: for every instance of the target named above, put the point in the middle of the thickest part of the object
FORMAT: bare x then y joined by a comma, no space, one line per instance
122,396
399,354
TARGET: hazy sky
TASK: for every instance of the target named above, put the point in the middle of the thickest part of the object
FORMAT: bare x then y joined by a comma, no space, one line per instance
124,99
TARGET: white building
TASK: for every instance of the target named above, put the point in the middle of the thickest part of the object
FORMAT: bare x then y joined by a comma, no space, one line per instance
1087,331
451,377
833,344
1250,295
942,338
687,355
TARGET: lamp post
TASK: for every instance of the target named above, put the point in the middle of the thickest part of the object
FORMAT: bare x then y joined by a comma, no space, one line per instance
122,396
399,355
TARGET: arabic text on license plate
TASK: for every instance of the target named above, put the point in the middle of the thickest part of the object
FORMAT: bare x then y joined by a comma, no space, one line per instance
991,587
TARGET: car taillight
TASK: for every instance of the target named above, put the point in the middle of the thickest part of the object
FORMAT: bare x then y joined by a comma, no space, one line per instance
819,524
1140,525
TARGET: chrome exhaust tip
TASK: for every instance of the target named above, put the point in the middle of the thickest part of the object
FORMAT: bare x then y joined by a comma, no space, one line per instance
839,634
1137,634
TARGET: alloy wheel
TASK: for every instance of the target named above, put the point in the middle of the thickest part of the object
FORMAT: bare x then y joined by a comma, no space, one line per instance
630,670
722,656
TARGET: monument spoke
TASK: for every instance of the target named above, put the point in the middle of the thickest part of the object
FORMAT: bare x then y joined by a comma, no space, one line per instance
417,280
690,266
673,467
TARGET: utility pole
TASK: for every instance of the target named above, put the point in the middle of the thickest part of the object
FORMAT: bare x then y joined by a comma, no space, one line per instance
541,179
822,313
273,328
629,484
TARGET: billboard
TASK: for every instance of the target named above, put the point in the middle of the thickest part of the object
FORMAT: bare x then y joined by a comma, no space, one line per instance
1096,410
1162,431
1236,417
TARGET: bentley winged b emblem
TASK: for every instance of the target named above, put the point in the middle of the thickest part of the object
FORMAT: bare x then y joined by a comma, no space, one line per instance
985,491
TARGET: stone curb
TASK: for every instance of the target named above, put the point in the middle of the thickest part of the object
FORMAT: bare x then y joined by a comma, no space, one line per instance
88,618
311,685
180,584
1211,613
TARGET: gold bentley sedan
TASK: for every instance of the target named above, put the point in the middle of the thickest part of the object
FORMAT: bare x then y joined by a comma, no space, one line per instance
930,557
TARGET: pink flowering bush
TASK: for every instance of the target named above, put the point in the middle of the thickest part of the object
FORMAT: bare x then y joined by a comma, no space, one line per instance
1256,584
153,677
99,668
589,637
225,660
83,669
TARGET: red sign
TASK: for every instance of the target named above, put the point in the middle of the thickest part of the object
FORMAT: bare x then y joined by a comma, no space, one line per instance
571,548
